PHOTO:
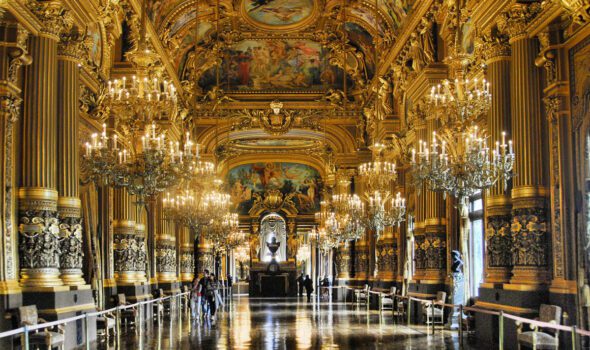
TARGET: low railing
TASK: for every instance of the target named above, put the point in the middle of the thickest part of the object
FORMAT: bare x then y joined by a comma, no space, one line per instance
27,329
574,331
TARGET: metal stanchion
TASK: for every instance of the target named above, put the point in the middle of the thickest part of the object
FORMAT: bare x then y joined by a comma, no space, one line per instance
26,337
501,330
87,326
460,325
118,325
409,313
432,315
574,337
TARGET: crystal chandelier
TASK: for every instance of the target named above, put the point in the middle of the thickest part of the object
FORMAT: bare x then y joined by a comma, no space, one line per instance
234,239
242,252
189,208
324,240
462,164
303,252
378,174
383,210
461,100
219,228
348,211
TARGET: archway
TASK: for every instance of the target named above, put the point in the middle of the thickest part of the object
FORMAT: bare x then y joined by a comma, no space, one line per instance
272,226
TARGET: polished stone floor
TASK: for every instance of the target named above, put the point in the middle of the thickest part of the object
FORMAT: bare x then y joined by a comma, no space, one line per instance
248,323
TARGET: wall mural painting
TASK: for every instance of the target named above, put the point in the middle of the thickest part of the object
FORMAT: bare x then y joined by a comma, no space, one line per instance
187,44
157,10
95,52
398,10
580,81
300,179
468,33
277,13
274,65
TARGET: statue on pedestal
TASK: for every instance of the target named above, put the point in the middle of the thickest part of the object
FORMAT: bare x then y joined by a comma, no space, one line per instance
457,289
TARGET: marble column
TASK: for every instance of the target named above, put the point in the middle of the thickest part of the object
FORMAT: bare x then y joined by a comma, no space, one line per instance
39,241
71,50
498,204
13,54
530,225
124,243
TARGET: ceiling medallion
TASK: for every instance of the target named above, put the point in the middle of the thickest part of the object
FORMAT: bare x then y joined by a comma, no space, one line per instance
279,14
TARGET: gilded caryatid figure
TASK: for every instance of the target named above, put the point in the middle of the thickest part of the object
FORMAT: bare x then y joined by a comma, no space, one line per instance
384,103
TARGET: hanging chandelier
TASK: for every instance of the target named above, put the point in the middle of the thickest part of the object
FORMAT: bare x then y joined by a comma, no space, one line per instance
242,252
323,239
234,239
460,101
348,211
462,164
303,252
378,174
219,228
383,210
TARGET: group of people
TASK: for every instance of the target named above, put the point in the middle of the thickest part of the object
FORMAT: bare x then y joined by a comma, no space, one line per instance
305,283
205,298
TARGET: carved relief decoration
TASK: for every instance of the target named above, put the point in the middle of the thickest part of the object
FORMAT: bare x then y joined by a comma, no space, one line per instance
499,241
39,239
529,237
166,256
71,243
187,261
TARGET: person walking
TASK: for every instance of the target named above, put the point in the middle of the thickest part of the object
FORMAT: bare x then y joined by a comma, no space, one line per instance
195,298
308,287
300,281
201,293
210,290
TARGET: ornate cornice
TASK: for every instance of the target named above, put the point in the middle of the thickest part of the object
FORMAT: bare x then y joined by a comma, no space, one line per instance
494,46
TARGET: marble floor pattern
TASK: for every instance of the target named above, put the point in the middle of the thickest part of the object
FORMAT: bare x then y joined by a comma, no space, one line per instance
247,323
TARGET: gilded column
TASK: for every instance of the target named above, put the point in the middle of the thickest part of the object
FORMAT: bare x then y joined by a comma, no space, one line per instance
124,243
71,49
206,257
13,54
165,248
435,232
530,235
39,224
496,51
141,263
363,254
187,255
342,260
420,244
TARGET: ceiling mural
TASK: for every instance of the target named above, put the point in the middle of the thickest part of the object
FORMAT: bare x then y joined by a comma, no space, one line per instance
302,182
274,65
157,10
278,14
363,40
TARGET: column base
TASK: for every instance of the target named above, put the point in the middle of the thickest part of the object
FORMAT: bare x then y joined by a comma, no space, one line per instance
72,277
48,277
125,277
533,276
186,276
166,277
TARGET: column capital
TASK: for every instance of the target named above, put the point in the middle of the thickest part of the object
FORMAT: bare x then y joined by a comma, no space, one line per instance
73,45
495,46
54,17
514,22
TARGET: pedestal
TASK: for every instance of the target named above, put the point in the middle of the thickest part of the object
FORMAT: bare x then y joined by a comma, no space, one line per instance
456,297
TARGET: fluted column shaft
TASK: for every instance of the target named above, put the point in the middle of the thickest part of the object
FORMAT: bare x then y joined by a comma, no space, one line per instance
420,220
530,237
435,229
69,205
39,233
498,202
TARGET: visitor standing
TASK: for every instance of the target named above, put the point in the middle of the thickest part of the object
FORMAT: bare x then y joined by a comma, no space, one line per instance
300,281
308,287
195,298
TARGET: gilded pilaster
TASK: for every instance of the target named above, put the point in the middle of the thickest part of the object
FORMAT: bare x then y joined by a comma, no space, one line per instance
71,50
530,226
13,54
420,245
206,258
497,55
39,224
342,260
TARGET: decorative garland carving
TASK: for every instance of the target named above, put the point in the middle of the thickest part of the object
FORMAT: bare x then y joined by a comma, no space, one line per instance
126,251
276,124
187,261
53,15
386,257
529,237
39,239
273,201
166,256
70,243
499,241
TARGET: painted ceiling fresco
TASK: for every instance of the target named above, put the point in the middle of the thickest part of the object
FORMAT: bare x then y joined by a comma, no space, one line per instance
274,65
278,13
301,180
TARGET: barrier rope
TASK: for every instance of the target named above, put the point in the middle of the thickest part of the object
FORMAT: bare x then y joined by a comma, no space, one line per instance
21,330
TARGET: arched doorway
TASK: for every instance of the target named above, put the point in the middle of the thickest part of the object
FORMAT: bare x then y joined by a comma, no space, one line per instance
273,226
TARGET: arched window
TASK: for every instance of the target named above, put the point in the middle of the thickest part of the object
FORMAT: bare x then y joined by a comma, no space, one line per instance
476,243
